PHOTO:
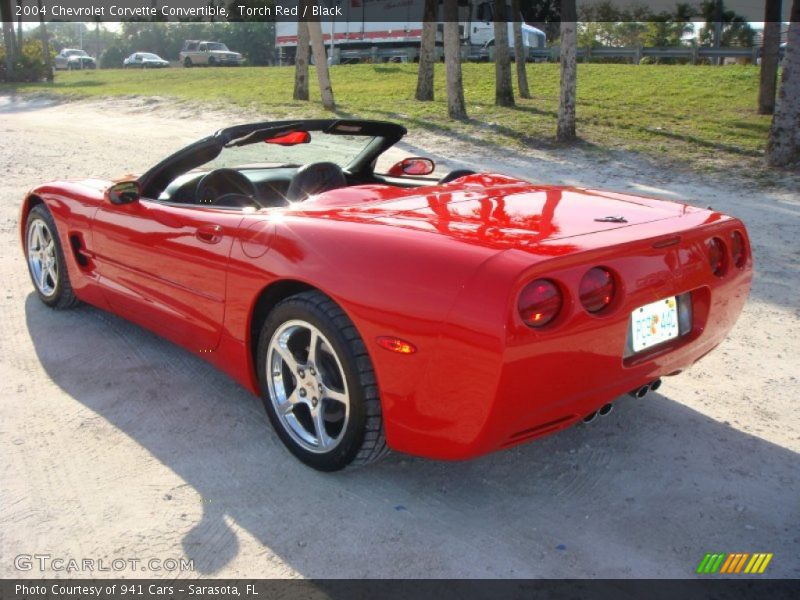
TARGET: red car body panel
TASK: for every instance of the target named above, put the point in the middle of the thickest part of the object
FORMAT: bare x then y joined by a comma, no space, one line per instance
440,267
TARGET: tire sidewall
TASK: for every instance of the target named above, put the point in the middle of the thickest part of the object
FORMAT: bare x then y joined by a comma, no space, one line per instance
347,449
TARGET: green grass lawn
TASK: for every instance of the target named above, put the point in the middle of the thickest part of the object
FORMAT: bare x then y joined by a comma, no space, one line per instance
699,116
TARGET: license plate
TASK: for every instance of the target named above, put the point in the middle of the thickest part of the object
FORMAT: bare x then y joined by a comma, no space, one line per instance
654,323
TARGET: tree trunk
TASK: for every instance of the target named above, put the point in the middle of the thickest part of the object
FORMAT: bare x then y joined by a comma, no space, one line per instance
569,69
783,146
19,29
321,64
503,92
519,51
769,57
6,14
48,60
301,63
456,106
427,53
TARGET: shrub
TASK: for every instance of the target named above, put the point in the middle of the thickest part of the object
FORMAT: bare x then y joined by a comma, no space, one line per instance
112,58
29,65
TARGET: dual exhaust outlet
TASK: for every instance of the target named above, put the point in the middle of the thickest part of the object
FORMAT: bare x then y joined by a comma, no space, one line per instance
639,392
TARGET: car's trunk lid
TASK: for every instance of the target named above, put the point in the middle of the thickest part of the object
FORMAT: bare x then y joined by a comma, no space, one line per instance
514,215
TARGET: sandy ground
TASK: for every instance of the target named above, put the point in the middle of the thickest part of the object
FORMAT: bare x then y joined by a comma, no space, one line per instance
116,444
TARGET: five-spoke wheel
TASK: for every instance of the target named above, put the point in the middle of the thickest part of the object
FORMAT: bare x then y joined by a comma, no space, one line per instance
318,384
46,259
307,386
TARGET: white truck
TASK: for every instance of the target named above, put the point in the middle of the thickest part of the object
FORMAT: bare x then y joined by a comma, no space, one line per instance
358,35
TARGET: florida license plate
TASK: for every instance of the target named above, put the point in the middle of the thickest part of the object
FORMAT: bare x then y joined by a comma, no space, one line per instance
654,323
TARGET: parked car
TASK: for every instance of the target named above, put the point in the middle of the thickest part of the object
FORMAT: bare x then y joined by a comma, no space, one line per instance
208,54
445,318
144,60
70,58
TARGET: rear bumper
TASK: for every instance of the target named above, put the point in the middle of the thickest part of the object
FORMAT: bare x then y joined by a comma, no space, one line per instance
494,393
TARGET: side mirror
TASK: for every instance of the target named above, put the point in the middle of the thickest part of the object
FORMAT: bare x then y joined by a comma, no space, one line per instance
123,192
412,166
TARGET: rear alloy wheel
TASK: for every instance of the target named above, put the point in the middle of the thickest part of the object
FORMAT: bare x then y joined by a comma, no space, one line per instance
46,260
318,385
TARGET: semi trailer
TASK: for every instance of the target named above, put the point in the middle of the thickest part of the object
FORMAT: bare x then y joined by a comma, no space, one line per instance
391,31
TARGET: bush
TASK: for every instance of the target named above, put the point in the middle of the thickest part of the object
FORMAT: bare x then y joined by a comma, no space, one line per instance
29,65
112,58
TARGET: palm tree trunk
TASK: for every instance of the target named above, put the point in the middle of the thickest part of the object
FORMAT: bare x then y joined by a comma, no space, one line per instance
301,63
503,92
769,57
783,146
19,29
6,14
48,60
427,53
519,51
321,64
569,72
456,107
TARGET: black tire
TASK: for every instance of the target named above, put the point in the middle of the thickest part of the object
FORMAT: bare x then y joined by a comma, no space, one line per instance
187,62
361,441
62,295
212,61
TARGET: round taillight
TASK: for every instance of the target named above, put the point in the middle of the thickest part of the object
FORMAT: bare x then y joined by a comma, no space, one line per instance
539,302
738,253
597,289
716,256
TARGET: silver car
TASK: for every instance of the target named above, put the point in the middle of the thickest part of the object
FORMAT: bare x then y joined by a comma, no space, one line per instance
70,58
144,60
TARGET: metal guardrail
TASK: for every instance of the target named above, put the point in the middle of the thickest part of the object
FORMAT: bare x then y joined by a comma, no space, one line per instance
636,53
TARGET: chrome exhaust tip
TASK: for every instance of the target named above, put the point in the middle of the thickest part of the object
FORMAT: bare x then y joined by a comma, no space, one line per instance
654,385
590,417
605,409
640,392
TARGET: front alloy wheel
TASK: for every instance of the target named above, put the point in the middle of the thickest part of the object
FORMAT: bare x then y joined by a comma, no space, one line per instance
318,385
46,260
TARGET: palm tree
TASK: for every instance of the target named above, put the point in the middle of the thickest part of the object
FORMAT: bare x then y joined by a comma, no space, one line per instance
301,62
569,71
321,64
769,57
427,53
6,14
503,92
48,62
456,106
783,146
519,51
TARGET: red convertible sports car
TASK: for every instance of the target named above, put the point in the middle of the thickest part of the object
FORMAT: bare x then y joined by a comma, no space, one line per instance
371,311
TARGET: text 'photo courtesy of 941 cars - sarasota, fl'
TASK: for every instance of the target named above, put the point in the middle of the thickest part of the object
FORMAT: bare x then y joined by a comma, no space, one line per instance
373,311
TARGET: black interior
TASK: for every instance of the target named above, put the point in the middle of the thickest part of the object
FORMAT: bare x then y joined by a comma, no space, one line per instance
180,178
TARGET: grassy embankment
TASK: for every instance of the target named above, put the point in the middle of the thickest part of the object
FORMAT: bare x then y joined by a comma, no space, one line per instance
702,117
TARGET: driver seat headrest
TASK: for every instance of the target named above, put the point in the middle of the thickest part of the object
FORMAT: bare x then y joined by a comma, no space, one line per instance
314,179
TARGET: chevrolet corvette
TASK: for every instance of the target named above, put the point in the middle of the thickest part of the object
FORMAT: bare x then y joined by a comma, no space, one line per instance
384,308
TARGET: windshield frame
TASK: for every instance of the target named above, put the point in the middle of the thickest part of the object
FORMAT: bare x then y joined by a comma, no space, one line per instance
384,134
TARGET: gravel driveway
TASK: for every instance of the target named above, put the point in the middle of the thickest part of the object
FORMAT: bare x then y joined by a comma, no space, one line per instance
117,444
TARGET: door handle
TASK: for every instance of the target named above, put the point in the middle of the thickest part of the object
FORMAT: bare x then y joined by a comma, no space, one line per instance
210,234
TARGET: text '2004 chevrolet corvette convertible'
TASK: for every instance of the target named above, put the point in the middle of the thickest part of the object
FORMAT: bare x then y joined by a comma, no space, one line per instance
371,311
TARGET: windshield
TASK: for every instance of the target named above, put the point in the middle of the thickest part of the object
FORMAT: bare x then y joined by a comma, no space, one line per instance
323,147
76,53
216,46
